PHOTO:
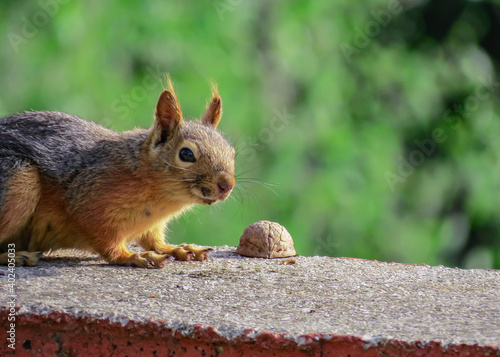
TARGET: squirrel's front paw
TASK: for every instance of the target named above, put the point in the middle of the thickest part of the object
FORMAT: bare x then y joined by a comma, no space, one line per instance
148,260
185,252
196,252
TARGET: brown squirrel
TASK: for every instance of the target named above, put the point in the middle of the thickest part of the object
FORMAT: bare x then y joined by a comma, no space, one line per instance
69,183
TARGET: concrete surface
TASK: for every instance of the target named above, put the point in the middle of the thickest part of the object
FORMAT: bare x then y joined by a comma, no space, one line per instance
233,298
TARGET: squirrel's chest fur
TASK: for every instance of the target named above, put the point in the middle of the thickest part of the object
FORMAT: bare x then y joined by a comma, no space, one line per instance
123,212
52,227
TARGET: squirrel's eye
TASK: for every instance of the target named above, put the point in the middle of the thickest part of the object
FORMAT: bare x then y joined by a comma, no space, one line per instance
186,155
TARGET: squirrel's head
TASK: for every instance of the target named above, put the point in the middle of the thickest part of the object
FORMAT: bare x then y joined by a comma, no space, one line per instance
198,159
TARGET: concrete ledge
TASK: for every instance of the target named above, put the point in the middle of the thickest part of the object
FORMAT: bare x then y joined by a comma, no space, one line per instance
75,304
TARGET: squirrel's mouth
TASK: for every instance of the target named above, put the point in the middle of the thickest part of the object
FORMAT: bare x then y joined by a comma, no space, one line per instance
208,195
209,202
220,198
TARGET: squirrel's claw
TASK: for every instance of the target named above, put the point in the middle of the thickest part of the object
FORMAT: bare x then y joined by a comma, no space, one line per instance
29,259
149,260
198,253
163,260
183,254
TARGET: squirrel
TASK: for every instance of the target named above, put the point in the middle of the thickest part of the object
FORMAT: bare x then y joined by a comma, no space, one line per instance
70,183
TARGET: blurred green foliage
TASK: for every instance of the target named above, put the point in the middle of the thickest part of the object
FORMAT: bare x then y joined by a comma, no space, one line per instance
372,124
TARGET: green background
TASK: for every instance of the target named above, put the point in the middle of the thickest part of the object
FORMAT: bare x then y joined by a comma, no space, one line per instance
372,125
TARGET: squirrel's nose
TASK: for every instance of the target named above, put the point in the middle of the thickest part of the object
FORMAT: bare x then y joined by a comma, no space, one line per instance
225,185
223,188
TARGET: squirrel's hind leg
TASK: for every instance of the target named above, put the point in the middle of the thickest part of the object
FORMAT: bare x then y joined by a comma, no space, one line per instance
21,258
19,197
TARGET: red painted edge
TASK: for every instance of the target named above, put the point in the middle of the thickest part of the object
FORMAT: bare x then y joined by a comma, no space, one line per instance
60,333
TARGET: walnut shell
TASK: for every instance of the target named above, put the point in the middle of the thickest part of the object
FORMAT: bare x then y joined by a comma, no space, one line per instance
266,239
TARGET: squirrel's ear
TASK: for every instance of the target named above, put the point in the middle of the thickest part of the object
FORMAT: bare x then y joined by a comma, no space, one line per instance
168,115
214,110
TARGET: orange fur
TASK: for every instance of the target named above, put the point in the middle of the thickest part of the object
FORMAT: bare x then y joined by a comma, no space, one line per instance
21,201
213,112
148,212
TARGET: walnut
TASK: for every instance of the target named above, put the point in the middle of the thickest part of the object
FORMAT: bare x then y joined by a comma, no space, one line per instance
266,239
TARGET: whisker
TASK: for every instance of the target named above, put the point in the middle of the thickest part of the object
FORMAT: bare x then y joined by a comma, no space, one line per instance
264,184
236,142
258,182
177,167
237,198
247,171
248,193
188,180
233,197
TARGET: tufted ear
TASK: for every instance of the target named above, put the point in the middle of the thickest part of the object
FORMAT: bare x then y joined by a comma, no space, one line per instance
214,110
168,115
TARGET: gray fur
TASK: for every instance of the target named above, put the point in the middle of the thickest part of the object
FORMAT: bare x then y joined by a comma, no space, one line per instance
59,144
